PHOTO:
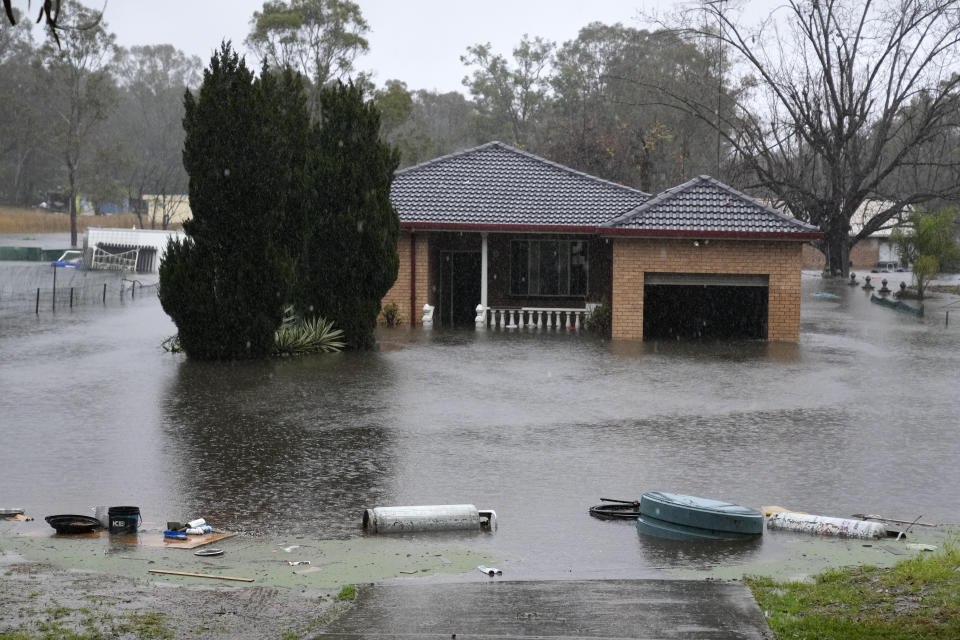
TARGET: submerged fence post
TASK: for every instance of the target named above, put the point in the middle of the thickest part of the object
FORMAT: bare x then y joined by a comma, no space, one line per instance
71,297
104,293
37,308
54,288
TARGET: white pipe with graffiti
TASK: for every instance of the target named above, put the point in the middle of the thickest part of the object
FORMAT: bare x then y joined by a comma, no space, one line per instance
826,526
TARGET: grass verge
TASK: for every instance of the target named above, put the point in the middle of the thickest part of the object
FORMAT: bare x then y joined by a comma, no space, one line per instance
917,598
13,220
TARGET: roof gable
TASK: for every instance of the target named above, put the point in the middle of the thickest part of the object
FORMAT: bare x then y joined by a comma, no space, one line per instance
706,206
495,184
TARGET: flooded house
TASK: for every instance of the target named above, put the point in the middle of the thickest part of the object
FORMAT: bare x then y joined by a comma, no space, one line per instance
497,237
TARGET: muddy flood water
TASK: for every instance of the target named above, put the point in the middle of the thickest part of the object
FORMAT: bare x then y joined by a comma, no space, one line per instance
861,416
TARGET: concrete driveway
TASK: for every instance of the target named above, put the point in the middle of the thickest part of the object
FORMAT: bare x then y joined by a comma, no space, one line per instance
698,610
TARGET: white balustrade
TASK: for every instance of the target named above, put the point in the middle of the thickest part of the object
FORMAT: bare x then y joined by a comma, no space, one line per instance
532,318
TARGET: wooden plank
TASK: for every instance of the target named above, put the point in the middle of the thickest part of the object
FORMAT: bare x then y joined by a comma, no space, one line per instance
199,575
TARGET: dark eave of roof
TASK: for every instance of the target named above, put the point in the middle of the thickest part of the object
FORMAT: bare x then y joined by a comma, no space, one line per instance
498,228
605,232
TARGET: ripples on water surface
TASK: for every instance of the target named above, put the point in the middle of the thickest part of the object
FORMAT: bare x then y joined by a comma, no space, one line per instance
860,416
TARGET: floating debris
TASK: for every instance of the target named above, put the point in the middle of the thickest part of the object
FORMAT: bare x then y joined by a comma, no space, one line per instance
439,517
826,526
898,305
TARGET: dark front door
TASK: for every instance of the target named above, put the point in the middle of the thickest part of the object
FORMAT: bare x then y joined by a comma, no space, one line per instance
459,287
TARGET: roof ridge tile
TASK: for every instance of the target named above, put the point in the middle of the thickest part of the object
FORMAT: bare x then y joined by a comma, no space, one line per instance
735,208
496,144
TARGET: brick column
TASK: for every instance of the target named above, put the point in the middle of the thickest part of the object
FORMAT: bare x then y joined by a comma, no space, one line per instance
402,290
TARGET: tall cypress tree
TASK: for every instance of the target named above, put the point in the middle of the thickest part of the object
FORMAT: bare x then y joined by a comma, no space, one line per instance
349,258
225,286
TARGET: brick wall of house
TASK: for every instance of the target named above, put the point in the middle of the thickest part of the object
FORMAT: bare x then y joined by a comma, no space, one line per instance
780,261
399,294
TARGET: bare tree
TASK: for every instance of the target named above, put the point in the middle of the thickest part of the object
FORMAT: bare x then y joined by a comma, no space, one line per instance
852,102
164,207
149,126
80,71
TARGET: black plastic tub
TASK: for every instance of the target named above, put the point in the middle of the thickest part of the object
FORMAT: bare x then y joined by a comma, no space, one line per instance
69,523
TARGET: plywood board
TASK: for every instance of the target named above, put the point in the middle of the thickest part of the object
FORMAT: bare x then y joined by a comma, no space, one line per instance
143,538
146,539
192,542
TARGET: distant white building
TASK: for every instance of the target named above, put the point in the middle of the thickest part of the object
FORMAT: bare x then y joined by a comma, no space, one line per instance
138,250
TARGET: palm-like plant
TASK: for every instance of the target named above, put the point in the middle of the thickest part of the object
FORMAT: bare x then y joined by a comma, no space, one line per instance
294,337
297,336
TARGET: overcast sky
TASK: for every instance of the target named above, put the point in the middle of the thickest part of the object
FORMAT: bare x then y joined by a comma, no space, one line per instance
417,41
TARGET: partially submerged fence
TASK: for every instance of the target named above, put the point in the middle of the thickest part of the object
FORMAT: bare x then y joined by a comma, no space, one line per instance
46,289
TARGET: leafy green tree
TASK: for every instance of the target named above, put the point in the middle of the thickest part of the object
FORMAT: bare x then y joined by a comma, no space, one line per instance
606,120
350,258
395,103
225,286
927,243
509,98
29,160
286,145
397,127
319,38
435,124
14,37
446,122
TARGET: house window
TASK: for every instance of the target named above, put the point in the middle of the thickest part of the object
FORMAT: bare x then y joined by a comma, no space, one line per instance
548,267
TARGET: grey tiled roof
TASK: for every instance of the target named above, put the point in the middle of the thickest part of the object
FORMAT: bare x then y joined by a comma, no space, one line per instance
706,205
495,184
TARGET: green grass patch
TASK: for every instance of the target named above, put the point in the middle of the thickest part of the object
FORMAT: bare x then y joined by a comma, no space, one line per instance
146,625
349,592
58,612
917,598
56,626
